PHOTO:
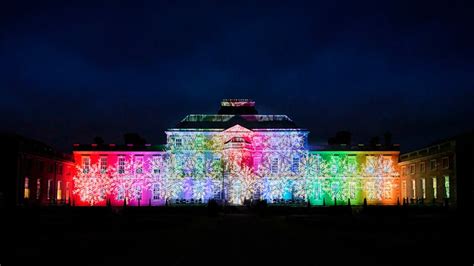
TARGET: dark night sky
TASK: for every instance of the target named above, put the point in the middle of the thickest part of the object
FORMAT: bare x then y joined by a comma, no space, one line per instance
72,70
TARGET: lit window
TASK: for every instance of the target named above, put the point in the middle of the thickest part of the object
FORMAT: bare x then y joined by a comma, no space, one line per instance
38,188
178,142
404,170
422,167
413,189
59,191
446,186
412,169
67,191
50,183
404,189
433,165
435,188
423,188
86,164
156,191
121,165
103,164
26,193
445,163
274,165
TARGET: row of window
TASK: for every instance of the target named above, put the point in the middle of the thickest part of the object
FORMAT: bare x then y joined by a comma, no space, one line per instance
40,166
422,168
49,189
86,164
178,142
423,190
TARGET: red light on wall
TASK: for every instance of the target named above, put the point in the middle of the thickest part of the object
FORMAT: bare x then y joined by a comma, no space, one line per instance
130,145
75,145
94,145
111,145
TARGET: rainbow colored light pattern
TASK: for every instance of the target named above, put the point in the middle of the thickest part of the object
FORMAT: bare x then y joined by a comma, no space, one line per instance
236,165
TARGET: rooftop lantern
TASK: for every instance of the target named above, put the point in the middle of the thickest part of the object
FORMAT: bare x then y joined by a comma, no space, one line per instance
237,107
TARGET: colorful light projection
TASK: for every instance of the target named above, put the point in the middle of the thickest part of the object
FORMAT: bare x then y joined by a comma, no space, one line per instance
340,176
239,164
91,184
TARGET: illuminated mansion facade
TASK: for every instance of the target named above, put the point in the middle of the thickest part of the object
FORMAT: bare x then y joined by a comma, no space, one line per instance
235,156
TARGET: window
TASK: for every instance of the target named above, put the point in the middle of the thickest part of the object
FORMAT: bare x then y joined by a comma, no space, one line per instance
446,186
412,169
38,188
274,165
317,191
404,189
50,183
404,170
59,191
121,165
387,190
178,142
156,191
121,194
67,191
422,167
387,162
423,188
352,163
335,161
433,165
156,164
435,188
199,167
445,162
102,194
138,192
295,164
103,164
139,164
86,164
26,193
60,169
413,189
335,189
50,168
371,190
352,190
41,166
